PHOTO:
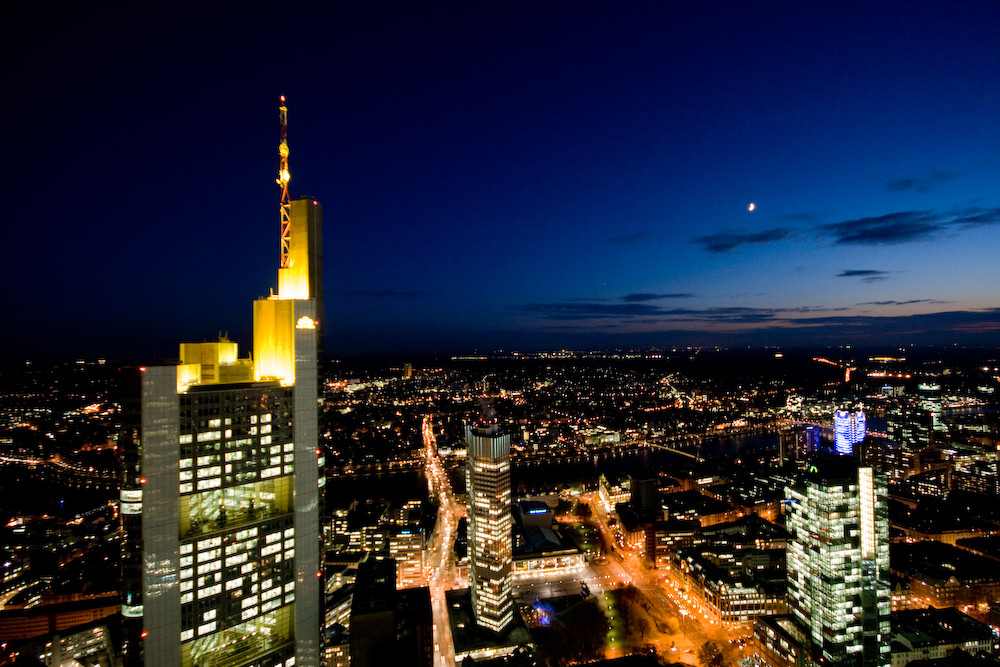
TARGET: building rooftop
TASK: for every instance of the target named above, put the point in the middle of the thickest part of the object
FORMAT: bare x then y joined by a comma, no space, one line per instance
693,503
829,468
929,627
988,545
958,658
745,530
471,640
941,562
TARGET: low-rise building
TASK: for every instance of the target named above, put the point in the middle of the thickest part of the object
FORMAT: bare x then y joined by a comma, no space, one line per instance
696,505
945,576
778,641
540,548
922,634
735,586
406,546
665,538
610,493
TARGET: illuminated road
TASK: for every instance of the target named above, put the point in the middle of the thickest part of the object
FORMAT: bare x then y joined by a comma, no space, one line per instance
6,597
440,561
668,599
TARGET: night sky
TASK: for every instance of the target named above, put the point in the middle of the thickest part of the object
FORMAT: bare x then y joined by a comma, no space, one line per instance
507,175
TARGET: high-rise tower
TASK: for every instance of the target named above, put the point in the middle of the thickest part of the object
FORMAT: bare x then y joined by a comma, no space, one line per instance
490,522
221,490
848,430
838,562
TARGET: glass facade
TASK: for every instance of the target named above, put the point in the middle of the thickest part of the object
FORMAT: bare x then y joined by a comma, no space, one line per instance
216,582
838,564
848,430
236,527
221,493
490,525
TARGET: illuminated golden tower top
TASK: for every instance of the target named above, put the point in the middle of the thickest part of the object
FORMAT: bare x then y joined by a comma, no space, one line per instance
299,272
290,314
297,305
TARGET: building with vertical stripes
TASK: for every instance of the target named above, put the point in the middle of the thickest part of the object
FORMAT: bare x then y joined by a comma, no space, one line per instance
222,485
838,563
490,523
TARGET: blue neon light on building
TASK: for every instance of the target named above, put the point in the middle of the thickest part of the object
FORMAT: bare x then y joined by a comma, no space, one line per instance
848,429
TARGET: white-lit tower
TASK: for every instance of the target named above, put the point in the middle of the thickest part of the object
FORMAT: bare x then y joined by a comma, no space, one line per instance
838,562
490,521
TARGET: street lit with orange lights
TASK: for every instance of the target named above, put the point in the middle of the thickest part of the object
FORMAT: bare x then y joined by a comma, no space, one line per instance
689,622
440,562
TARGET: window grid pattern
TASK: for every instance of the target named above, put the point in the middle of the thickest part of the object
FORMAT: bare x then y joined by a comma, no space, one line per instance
236,566
838,565
490,527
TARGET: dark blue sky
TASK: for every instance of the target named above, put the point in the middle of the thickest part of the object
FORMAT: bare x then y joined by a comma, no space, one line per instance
509,175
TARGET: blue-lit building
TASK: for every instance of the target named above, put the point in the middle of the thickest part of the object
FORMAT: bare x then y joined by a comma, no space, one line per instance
848,430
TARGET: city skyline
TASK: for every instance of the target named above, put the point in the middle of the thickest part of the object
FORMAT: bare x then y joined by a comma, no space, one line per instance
677,504
518,178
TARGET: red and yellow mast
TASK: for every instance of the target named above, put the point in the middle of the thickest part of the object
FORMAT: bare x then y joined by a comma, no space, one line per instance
283,177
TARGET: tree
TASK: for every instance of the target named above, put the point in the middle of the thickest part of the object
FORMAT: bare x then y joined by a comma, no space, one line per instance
710,655
642,625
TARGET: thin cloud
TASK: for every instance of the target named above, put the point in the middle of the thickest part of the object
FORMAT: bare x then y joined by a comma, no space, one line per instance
801,217
974,217
892,228
726,241
919,183
575,310
860,273
907,226
392,294
634,237
889,229
899,303
649,296
978,327
866,275
746,315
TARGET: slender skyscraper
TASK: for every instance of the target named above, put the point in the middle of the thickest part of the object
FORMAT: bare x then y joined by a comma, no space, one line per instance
838,562
490,521
221,493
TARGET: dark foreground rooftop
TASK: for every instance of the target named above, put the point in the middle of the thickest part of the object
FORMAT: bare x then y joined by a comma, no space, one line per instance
471,640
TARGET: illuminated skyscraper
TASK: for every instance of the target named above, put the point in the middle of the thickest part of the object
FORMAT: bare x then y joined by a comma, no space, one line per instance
222,486
848,430
490,522
838,562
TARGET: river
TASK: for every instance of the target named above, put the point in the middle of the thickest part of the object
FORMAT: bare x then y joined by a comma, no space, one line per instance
540,476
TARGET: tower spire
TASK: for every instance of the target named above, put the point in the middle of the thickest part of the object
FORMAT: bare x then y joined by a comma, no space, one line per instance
282,181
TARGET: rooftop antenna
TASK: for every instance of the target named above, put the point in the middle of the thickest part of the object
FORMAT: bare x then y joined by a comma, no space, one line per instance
283,177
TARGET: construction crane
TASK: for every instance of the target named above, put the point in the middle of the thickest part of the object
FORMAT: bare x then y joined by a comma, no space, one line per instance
283,177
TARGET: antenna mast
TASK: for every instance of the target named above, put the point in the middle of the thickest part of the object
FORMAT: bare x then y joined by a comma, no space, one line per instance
282,181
